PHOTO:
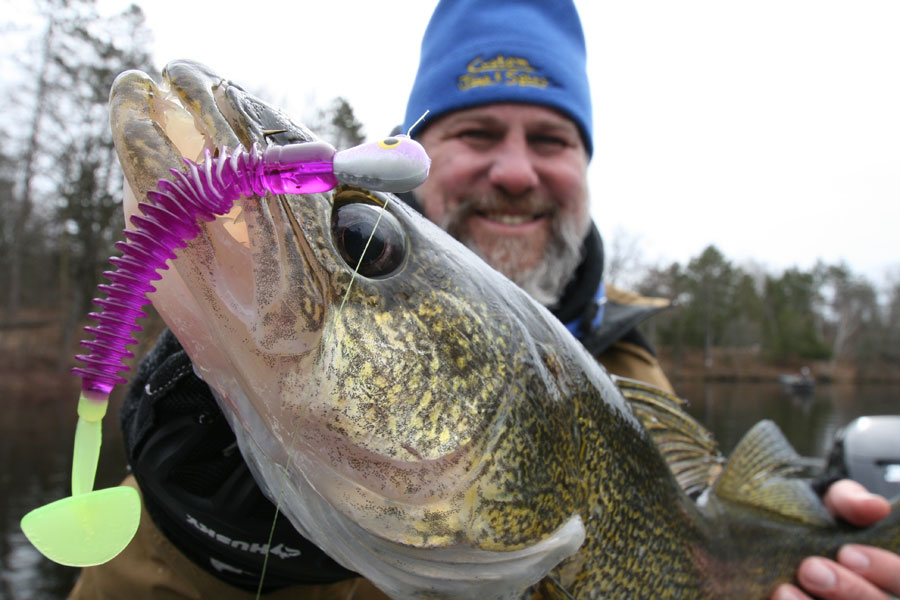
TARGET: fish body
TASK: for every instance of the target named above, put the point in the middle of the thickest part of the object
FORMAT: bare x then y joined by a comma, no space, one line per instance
423,420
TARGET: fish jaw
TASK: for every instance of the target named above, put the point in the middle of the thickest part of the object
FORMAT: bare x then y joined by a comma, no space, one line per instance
227,282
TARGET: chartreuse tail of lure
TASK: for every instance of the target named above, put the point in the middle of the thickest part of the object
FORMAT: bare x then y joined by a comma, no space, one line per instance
92,526
89,527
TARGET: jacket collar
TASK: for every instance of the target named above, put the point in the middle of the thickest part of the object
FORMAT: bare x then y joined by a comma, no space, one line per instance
582,304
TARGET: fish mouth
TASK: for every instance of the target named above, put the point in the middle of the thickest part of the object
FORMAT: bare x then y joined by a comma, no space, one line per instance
226,273
191,110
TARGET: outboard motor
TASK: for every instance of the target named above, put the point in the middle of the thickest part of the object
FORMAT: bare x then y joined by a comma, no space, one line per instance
868,451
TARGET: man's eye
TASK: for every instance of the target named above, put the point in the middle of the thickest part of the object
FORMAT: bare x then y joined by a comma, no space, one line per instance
476,135
549,140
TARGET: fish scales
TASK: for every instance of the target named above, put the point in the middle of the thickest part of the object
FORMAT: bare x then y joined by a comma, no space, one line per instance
432,427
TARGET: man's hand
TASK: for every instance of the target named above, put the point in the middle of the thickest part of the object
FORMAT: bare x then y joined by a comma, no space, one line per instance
860,572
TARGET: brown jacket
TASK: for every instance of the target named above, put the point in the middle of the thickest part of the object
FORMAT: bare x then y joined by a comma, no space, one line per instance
151,567
630,360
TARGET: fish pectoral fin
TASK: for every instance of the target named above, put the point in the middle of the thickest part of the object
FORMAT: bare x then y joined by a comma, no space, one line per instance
762,472
688,447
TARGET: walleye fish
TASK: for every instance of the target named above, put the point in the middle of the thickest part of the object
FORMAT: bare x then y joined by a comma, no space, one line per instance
422,419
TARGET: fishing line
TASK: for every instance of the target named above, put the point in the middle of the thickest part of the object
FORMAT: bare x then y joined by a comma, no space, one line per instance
354,274
262,574
419,120
325,339
560,586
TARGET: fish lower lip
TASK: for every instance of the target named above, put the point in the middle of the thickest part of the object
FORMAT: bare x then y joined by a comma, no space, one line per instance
400,568
464,573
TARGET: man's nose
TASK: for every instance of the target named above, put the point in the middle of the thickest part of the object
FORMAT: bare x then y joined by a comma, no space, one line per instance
513,168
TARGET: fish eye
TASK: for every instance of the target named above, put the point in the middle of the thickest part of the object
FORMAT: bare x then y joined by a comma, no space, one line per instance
389,142
369,237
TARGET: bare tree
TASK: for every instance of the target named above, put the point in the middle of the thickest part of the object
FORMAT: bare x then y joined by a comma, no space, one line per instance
624,258
852,312
21,213
90,180
338,125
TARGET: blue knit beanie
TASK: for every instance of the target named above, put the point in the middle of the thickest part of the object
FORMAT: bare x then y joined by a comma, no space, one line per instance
478,52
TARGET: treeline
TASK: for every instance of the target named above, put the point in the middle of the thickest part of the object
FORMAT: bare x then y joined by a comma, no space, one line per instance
825,313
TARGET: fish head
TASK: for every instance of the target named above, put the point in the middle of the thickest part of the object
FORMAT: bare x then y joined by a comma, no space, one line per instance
408,407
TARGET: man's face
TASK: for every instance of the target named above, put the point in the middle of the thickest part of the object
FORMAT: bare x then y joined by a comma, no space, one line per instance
509,181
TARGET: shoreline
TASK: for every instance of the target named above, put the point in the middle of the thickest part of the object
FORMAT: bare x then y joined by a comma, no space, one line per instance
745,366
31,357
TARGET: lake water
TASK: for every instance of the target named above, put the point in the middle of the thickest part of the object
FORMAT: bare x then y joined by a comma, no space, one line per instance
36,431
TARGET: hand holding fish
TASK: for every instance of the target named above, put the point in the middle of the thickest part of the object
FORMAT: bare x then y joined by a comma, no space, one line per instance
859,572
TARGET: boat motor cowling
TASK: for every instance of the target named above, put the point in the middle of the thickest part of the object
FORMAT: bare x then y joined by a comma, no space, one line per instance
868,451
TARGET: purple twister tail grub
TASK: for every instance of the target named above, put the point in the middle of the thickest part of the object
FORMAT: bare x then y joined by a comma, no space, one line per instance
170,220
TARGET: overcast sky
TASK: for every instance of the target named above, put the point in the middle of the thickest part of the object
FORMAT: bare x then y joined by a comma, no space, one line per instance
770,128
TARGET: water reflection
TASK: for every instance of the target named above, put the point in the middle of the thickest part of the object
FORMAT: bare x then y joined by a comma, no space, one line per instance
808,420
37,428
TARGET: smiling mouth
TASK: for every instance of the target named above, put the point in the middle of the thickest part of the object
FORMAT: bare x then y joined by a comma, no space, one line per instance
512,219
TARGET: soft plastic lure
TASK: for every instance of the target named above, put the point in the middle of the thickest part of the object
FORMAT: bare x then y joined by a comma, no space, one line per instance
92,526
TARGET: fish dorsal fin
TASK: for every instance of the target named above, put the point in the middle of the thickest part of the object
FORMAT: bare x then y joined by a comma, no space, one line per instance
762,472
687,446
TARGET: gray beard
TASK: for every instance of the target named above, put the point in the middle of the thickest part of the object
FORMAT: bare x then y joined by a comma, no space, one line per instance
546,281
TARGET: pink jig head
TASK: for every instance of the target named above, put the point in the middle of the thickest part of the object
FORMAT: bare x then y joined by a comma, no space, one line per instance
92,526
393,164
